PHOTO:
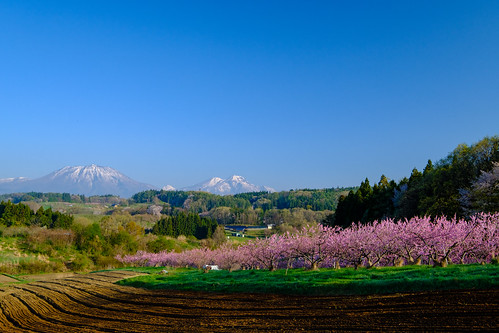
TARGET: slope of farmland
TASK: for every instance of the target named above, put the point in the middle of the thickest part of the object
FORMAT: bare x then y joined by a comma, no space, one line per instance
92,303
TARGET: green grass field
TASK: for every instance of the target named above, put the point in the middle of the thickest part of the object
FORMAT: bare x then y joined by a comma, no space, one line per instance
346,281
248,235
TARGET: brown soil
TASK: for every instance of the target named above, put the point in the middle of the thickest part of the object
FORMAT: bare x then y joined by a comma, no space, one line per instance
46,276
6,279
92,303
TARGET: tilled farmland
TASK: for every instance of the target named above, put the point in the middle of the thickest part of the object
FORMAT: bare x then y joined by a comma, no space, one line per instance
93,303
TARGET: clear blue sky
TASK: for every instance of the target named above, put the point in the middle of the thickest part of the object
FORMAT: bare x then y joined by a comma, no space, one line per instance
289,94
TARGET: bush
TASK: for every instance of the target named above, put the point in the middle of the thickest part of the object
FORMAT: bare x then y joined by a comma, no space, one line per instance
38,266
161,244
15,232
81,263
8,268
106,262
124,241
48,241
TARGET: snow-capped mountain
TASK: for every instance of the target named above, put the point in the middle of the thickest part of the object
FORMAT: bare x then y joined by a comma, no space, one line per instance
12,180
168,188
10,185
232,185
87,180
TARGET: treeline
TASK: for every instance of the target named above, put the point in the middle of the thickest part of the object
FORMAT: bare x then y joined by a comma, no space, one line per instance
463,183
295,207
61,197
185,224
199,202
22,215
316,200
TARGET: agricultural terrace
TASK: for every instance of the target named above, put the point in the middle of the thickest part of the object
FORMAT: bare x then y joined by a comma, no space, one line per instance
93,303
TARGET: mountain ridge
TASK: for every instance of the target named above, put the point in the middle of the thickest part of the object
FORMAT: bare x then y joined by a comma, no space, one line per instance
232,185
101,180
87,180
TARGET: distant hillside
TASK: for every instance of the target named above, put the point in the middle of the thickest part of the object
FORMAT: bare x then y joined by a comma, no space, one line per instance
292,208
61,197
199,202
87,180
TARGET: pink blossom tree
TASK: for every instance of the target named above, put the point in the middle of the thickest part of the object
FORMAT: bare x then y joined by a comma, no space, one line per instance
312,244
267,253
375,244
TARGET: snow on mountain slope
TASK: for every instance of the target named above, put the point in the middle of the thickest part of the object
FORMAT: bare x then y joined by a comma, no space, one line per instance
97,180
87,180
13,180
168,188
232,185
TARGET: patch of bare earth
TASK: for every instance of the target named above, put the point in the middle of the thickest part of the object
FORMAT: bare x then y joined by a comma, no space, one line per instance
6,279
46,276
92,303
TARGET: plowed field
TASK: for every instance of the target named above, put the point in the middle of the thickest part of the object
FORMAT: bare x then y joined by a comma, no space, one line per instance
92,303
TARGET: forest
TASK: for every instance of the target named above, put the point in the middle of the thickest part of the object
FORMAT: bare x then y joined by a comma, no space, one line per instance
462,184
19,215
185,224
295,207
61,197
198,202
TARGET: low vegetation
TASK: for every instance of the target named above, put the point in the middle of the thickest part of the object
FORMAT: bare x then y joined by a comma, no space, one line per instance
38,242
346,281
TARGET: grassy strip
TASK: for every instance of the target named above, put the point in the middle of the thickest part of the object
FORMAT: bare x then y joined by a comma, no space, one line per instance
17,280
347,281
147,270
12,277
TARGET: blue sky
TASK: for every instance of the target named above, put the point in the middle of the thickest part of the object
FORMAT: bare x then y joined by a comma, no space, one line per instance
289,94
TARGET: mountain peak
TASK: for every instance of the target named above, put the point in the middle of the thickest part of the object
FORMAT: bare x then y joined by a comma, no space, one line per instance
88,180
237,178
232,185
168,188
215,180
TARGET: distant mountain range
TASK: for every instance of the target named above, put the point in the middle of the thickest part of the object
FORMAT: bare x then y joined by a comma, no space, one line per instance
232,185
98,180
87,180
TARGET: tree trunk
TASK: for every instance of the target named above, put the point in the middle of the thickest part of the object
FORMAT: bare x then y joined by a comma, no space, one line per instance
398,262
412,262
440,263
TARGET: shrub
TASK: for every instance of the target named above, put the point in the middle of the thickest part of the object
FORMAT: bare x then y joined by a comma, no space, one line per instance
39,266
47,241
81,263
124,241
160,244
15,232
106,262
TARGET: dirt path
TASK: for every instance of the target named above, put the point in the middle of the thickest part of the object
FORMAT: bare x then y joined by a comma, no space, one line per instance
92,303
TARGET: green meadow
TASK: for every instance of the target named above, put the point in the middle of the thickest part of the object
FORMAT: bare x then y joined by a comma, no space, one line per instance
345,281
